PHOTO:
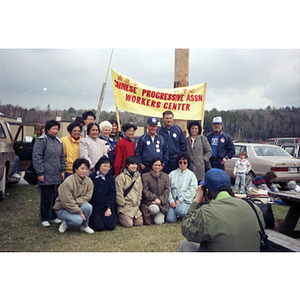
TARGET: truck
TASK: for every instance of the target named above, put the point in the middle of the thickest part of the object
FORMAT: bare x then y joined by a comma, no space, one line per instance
9,147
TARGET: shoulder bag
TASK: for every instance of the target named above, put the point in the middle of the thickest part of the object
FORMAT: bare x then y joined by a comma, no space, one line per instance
264,244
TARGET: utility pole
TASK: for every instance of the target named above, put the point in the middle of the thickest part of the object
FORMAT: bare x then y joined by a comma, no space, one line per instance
181,78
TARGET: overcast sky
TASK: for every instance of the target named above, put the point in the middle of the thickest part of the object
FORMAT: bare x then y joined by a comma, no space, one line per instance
247,59
73,78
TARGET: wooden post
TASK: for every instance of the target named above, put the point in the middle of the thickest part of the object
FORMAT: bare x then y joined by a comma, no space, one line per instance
181,79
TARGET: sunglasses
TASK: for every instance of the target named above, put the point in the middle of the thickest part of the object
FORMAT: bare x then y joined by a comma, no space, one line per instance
182,162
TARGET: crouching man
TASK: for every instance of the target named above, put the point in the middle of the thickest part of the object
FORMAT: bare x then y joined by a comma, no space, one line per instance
225,224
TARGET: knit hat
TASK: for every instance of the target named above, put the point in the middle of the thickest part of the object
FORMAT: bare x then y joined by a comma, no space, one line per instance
131,160
103,159
291,185
215,178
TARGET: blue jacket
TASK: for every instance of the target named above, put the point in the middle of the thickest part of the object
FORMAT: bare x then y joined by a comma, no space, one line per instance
226,147
174,138
146,150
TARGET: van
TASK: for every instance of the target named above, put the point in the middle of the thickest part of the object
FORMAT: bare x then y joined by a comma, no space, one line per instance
284,140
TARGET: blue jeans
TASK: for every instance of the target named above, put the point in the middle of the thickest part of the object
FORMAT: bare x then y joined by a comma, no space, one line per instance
180,210
17,165
76,219
240,178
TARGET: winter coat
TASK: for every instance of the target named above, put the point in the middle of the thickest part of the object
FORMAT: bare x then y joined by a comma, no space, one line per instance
130,204
156,186
124,148
92,149
226,147
71,151
49,159
72,193
175,139
104,196
146,149
199,154
259,182
183,186
225,224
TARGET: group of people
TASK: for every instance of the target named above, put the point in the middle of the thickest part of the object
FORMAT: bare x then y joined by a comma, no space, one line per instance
97,176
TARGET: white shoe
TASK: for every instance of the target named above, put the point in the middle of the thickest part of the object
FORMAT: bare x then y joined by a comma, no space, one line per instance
55,221
16,175
45,223
63,226
86,229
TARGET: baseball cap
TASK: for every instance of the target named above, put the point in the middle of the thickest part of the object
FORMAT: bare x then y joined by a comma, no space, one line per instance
152,121
291,184
215,178
217,120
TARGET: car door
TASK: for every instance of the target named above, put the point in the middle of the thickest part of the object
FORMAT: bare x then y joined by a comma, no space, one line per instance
22,143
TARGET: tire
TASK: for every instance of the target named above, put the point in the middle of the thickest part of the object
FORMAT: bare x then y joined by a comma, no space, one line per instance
3,186
249,178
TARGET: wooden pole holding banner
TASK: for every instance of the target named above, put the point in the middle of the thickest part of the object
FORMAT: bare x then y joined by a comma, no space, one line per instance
203,108
181,79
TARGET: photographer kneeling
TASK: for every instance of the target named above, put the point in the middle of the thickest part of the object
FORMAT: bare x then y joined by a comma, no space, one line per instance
225,224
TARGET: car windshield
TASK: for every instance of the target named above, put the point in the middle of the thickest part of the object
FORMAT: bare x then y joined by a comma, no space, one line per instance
269,151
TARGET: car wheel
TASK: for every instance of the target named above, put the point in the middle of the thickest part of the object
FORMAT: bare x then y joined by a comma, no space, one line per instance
3,186
249,178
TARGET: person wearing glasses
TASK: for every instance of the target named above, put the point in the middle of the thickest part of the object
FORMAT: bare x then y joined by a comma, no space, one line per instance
87,118
183,188
222,146
151,145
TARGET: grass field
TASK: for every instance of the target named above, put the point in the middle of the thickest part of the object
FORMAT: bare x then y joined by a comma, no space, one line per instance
21,230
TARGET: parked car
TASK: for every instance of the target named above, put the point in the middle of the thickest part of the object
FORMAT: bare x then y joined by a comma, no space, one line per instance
281,141
7,158
20,145
263,158
292,149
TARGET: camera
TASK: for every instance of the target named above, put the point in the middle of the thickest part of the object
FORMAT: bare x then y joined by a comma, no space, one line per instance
204,190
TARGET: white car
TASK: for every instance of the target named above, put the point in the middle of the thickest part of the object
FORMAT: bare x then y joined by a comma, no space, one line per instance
263,158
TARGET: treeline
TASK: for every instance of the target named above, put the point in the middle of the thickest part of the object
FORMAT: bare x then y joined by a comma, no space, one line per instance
254,124
257,124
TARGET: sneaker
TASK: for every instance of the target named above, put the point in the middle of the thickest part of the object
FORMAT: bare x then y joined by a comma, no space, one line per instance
16,175
45,223
63,226
55,221
86,229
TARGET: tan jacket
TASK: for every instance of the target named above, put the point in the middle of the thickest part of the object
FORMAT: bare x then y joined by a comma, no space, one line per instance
130,204
74,192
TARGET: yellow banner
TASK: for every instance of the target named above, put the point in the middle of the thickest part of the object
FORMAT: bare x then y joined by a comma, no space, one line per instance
186,103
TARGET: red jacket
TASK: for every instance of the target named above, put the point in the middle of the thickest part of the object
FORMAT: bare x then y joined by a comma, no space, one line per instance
123,149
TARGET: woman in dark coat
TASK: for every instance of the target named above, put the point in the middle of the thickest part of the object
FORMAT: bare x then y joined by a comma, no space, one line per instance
104,197
156,191
49,163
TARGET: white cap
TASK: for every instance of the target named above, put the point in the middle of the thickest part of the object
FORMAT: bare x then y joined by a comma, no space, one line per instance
217,120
